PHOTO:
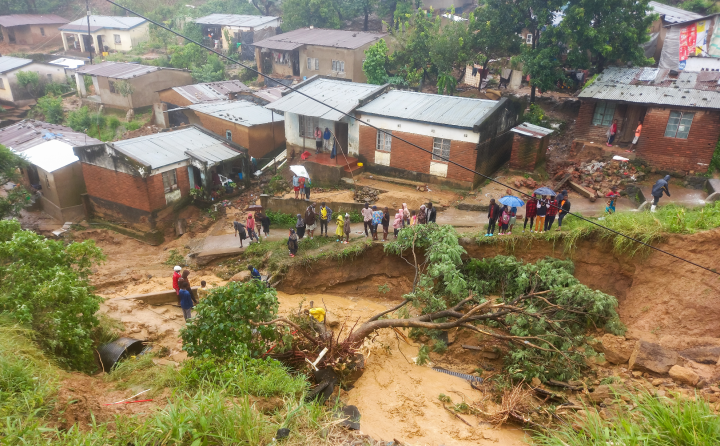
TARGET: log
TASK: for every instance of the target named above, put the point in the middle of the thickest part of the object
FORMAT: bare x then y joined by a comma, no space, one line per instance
582,190
552,382
472,347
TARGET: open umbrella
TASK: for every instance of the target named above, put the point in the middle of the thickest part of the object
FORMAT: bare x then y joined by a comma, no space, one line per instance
512,201
300,171
545,191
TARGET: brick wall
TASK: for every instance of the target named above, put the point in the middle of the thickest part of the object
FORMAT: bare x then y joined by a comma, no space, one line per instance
676,154
117,187
583,125
173,97
156,190
525,152
407,157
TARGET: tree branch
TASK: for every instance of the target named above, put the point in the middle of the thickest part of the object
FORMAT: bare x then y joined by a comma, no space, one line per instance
291,324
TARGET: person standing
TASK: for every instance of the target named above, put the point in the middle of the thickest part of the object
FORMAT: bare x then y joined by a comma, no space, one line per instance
386,223
422,215
292,243
612,197
376,221
300,226
346,228
250,225
431,213
552,210
339,228
492,215
318,140
325,217
541,213
504,220
185,276
513,219
530,212
406,215
175,277
399,222
413,218
612,131
301,186
264,221
564,210
203,291
661,186
326,137
367,218
240,230
296,185
186,301
638,131
310,220
308,184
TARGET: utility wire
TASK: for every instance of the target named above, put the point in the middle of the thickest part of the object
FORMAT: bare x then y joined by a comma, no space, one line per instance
410,143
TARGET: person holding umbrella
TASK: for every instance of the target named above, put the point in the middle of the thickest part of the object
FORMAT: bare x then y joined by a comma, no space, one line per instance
512,202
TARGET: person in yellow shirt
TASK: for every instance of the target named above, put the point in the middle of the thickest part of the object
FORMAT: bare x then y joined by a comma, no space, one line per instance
325,217
203,291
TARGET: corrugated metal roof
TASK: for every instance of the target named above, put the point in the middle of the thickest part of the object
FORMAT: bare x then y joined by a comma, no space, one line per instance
30,133
240,112
688,89
335,38
672,14
532,130
119,70
30,19
271,94
243,21
161,149
342,95
51,155
98,22
9,63
211,91
451,111
68,63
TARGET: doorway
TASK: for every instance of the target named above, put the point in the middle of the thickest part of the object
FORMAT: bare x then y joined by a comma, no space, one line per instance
633,114
195,177
341,133
100,46
295,62
11,35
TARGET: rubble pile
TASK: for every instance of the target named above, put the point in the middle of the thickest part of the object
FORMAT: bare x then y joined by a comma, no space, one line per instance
596,178
528,183
366,194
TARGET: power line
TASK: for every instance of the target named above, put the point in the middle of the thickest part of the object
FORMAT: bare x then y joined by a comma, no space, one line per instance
412,144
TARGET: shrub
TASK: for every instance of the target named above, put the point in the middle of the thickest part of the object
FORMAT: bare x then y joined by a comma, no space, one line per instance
44,284
29,80
281,219
79,120
52,108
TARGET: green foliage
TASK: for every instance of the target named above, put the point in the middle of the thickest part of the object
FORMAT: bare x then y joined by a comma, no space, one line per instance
281,219
715,161
124,88
211,71
29,80
423,356
187,56
536,115
17,198
569,301
52,109
303,13
384,288
376,62
704,7
444,398
446,84
654,422
175,258
222,324
44,284
439,347
79,120
56,88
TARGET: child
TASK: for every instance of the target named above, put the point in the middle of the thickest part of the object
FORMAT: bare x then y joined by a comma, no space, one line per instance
413,218
504,220
386,223
399,222
513,219
250,224
340,228
203,291
346,228
292,243
376,221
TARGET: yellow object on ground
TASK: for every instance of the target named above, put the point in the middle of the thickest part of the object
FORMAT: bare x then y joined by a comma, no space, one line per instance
318,314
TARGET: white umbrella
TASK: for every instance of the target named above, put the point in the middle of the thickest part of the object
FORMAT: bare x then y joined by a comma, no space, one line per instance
300,171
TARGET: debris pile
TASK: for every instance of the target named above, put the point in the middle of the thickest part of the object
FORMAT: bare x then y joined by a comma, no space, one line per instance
596,178
528,183
366,194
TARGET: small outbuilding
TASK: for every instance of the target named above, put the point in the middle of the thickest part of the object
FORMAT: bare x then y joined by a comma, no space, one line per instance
236,32
107,33
530,143
30,29
12,92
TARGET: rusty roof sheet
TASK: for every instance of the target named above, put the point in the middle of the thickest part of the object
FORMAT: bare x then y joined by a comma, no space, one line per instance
636,85
211,91
30,133
119,70
242,21
334,38
9,63
672,14
532,130
98,22
271,94
31,19
244,113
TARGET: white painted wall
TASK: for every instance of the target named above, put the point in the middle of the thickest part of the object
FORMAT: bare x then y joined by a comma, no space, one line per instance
419,128
292,133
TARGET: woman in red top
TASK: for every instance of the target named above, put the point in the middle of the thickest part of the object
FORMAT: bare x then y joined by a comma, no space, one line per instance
612,131
530,212
552,210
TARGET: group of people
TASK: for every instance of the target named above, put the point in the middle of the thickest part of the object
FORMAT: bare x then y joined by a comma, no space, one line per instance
613,130
253,226
183,290
322,139
301,186
373,218
540,211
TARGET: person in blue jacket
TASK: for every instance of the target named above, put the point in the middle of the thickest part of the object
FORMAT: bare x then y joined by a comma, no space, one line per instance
187,302
254,273
660,187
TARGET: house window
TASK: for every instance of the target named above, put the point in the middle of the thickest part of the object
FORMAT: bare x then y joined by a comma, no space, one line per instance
2,84
528,39
441,149
678,125
307,126
313,63
111,86
228,135
169,181
42,32
384,141
338,65
604,112
117,39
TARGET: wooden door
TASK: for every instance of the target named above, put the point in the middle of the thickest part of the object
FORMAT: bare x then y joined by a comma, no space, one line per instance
341,132
633,114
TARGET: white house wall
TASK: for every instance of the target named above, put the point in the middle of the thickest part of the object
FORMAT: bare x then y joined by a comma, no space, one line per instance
419,128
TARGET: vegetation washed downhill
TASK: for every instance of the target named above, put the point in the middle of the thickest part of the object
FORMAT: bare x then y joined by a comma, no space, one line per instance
644,226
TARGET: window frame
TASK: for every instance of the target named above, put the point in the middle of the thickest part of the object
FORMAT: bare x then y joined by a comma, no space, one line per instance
111,87
42,31
386,144
169,184
228,135
302,126
603,121
338,66
315,65
442,149
529,39
682,116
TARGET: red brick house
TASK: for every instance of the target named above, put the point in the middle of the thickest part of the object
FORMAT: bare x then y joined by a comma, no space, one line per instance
132,180
680,113
471,132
